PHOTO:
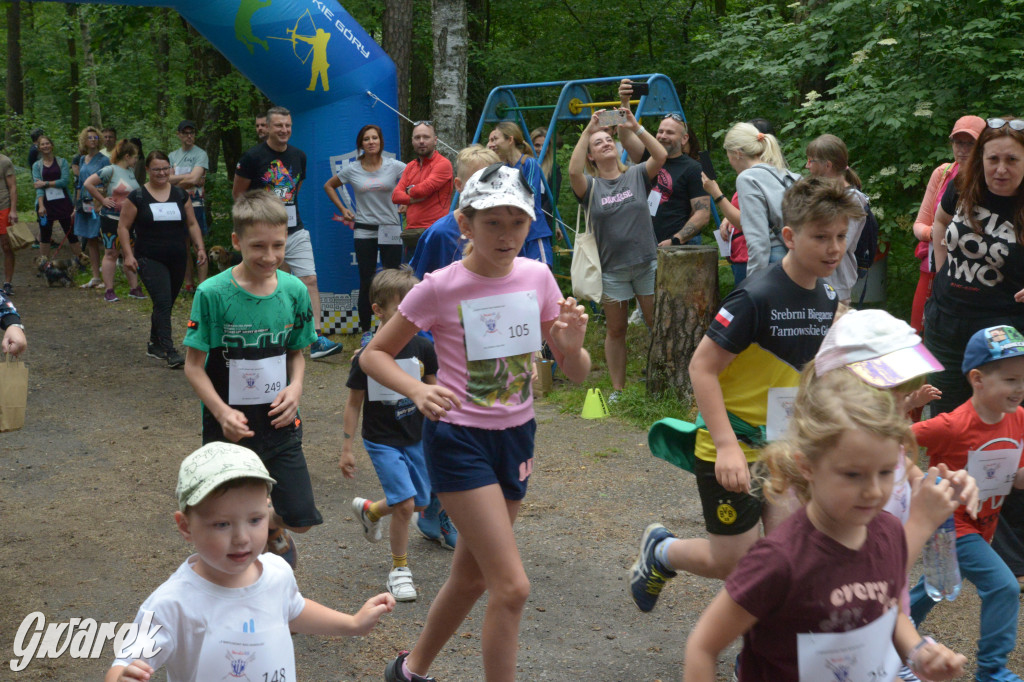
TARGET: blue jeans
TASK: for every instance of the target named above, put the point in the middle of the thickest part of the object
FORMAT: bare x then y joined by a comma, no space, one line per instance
1000,601
778,252
739,272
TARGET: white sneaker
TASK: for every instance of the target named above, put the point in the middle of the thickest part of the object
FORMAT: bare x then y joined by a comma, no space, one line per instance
93,283
371,529
637,317
400,584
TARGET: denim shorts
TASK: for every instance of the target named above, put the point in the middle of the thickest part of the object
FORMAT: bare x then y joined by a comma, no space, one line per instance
622,284
402,472
465,458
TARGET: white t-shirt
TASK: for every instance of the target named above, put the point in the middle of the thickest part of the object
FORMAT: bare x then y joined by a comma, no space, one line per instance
193,611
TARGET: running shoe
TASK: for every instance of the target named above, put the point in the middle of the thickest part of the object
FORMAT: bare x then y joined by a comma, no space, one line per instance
154,350
110,296
449,534
371,529
94,283
365,339
323,347
174,359
998,675
280,542
136,293
400,584
8,289
647,577
614,397
393,673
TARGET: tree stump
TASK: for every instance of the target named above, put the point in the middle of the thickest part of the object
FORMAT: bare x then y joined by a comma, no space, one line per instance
685,301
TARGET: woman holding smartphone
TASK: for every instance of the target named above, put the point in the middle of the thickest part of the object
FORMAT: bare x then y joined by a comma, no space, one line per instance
615,200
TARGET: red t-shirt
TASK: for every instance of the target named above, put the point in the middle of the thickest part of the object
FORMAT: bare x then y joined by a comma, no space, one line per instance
798,580
432,188
954,438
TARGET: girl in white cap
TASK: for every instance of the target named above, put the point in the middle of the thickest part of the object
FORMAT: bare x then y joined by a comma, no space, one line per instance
488,313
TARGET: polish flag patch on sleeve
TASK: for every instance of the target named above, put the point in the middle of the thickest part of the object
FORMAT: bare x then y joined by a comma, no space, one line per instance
724,317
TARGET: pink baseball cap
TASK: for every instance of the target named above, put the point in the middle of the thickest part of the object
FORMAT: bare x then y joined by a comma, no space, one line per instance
972,125
879,348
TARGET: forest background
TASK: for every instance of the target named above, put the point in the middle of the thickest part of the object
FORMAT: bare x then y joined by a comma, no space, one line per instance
887,76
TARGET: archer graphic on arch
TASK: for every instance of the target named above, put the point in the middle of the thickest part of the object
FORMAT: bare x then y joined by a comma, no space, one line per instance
317,40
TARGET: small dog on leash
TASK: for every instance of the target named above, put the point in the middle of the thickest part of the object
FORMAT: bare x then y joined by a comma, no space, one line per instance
61,271
224,258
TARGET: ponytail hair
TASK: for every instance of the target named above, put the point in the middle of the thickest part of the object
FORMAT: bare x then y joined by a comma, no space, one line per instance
826,407
510,129
830,148
122,150
751,142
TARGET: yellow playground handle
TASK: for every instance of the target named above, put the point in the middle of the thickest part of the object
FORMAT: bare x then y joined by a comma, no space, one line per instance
576,106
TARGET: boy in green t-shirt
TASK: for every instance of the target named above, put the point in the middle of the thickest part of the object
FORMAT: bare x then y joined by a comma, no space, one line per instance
246,333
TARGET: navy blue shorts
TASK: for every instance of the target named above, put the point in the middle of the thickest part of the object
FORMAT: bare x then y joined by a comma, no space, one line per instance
465,458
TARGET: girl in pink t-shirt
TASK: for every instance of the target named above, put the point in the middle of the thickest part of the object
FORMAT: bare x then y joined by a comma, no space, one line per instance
488,313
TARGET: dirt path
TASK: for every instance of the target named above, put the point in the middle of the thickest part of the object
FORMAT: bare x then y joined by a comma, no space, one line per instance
87,495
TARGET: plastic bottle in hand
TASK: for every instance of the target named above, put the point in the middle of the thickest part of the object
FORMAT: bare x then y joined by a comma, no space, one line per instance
941,569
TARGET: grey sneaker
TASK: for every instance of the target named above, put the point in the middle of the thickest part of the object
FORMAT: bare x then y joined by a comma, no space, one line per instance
174,359
153,350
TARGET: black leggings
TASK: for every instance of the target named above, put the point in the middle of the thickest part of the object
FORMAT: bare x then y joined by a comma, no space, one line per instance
366,261
46,231
163,277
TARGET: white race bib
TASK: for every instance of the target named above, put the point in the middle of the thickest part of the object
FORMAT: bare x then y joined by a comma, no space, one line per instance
292,215
265,655
389,234
380,393
501,326
256,382
780,411
165,211
54,193
865,654
994,469
653,201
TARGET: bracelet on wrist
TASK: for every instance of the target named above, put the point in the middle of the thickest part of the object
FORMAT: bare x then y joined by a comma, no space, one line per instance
910,662
719,198
676,241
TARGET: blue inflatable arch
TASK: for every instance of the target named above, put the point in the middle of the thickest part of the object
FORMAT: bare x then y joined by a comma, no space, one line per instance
314,59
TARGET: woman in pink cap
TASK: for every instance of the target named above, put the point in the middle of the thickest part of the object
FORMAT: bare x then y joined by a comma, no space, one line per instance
965,133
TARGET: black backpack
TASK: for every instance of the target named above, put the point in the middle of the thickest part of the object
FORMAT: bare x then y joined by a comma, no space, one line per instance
867,245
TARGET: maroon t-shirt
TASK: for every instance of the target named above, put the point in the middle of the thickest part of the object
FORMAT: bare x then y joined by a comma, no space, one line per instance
798,580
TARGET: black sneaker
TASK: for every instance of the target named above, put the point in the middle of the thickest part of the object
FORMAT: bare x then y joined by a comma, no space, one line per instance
393,673
8,290
154,350
174,359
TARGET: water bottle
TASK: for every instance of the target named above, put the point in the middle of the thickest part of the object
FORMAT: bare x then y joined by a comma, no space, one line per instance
941,569
42,220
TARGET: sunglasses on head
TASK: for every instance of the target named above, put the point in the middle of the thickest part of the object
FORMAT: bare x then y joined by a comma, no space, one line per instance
423,123
495,167
1014,123
674,117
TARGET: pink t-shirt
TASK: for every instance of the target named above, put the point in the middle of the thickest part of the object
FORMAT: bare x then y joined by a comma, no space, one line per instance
495,393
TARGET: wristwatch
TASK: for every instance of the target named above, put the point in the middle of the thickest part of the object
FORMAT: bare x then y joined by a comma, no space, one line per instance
676,241
18,325
719,198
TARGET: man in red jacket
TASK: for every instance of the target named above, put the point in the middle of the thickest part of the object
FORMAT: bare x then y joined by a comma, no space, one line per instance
425,188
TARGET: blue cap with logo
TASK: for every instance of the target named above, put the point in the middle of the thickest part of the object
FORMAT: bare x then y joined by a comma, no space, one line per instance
991,344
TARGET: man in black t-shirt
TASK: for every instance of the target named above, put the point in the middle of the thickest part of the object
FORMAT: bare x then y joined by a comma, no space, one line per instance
278,167
683,208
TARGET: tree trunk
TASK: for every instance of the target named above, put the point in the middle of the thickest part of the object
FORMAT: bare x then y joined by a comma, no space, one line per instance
15,83
685,301
397,42
161,26
95,113
75,90
451,53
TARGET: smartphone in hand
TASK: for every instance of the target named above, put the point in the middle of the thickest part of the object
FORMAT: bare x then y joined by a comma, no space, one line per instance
611,117
640,88
706,165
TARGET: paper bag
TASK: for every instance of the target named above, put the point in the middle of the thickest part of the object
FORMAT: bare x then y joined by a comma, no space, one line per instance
13,393
20,235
